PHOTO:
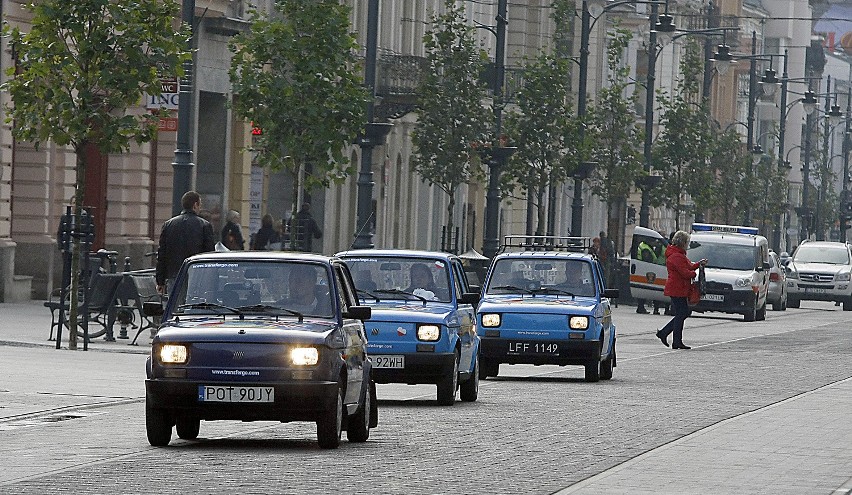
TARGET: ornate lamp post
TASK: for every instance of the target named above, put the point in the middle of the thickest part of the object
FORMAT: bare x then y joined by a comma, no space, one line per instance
182,164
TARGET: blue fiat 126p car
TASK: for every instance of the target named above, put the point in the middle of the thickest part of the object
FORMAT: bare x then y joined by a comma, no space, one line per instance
422,328
261,336
547,304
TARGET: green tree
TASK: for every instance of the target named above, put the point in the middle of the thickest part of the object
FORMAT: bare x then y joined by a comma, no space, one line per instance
451,116
616,138
729,161
544,130
295,76
81,65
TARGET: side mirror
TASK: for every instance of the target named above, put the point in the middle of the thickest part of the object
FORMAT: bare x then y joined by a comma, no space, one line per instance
470,298
359,313
763,266
474,288
611,293
152,308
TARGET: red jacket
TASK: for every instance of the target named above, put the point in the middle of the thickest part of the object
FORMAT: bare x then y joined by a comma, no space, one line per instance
681,272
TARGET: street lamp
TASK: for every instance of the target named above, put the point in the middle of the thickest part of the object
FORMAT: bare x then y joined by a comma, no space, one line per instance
182,164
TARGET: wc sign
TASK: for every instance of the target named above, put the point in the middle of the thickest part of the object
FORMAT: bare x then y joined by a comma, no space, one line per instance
168,99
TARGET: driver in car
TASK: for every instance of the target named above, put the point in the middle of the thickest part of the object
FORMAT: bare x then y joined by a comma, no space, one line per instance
303,292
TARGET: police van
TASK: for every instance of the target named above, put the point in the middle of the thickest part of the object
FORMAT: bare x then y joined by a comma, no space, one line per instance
737,271
648,265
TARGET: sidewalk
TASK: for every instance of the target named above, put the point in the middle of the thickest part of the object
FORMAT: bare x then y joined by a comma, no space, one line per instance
28,323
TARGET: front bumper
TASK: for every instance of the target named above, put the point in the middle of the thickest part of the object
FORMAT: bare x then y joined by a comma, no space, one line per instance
733,301
294,401
420,367
522,351
839,291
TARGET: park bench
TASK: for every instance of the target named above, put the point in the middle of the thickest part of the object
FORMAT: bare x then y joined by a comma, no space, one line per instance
102,307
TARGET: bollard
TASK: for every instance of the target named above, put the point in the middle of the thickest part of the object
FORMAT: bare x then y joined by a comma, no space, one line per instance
127,263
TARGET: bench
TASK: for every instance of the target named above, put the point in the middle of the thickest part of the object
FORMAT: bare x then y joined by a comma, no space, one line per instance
146,290
102,307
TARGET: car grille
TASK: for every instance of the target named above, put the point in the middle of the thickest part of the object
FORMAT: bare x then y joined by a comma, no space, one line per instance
718,286
816,277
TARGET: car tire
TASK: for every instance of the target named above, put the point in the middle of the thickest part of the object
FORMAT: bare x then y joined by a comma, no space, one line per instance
374,406
330,425
488,368
158,426
793,302
779,304
187,429
761,313
358,429
847,304
449,384
751,313
469,389
593,372
607,365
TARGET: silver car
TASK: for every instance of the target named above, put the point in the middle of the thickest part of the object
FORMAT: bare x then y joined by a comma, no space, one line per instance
777,295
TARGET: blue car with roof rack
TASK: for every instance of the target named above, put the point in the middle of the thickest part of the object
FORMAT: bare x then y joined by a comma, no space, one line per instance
547,304
422,329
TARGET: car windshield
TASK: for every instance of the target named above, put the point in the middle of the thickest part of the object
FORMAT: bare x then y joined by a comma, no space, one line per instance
535,276
397,277
724,256
248,287
829,255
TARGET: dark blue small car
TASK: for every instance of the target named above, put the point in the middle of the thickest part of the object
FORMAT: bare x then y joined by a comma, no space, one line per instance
422,328
547,307
261,336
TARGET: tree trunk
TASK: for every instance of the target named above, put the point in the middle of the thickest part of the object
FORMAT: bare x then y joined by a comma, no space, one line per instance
295,206
451,207
80,186
541,210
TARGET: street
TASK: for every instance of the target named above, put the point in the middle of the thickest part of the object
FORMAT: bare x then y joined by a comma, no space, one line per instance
751,408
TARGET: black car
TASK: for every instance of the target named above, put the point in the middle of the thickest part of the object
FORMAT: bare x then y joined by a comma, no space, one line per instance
261,336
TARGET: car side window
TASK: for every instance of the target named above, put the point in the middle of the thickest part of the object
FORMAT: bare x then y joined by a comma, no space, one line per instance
460,283
346,292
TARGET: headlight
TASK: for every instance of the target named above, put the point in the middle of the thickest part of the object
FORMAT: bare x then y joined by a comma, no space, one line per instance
792,274
743,282
490,320
843,277
578,322
429,333
304,356
173,354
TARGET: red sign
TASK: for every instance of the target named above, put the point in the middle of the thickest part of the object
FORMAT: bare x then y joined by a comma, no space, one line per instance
168,124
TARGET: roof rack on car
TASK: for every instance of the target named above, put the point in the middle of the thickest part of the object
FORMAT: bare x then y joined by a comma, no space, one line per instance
547,243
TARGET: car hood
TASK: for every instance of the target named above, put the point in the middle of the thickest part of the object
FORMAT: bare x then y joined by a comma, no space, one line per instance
726,276
819,268
411,311
538,304
258,330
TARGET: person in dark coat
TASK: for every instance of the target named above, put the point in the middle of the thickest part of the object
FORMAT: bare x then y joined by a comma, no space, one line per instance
181,237
306,229
232,235
681,271
266,236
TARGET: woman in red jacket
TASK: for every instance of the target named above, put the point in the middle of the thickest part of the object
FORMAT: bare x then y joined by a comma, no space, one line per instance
681,272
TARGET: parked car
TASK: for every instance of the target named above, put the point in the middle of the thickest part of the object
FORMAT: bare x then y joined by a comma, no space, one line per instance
422,328
777,294
547,305
820,271
261,335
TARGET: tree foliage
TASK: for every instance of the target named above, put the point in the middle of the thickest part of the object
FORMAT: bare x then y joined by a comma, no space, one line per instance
81,65
544,129
294,75
451,117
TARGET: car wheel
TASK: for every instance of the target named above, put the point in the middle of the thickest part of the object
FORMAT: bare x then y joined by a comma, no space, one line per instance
158,426
607,365
793,302
188,429
359,423
593,369
761,313
751,313
330,426
779,304
847,304
488,368
449,384
374,406
470,389
784,301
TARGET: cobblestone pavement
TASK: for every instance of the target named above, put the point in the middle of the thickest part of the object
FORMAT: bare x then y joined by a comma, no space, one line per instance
753,408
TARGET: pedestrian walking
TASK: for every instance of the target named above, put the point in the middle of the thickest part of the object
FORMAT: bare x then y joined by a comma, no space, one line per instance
181,237
267,238
306,228
232,235
681,271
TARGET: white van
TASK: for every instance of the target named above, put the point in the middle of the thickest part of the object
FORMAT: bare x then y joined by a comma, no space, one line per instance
648,265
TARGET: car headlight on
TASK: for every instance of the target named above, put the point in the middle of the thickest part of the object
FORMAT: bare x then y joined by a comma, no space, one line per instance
429,333
843,277
173,354
578,322
304,356
490,320
743,282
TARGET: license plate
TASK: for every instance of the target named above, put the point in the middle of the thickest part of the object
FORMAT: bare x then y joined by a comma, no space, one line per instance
216,393
389,361
713,297
540,348
814,290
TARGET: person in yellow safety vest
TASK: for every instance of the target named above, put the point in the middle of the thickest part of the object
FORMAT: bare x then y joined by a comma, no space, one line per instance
646,253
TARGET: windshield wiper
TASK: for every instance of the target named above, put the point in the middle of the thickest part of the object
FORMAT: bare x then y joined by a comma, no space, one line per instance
512,287
554,290
210,305
267,307
401,293
362,291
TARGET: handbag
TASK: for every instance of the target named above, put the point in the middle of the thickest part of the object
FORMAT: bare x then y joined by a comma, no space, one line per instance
697,288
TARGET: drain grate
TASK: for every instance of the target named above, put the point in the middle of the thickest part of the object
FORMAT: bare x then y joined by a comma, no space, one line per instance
41,420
